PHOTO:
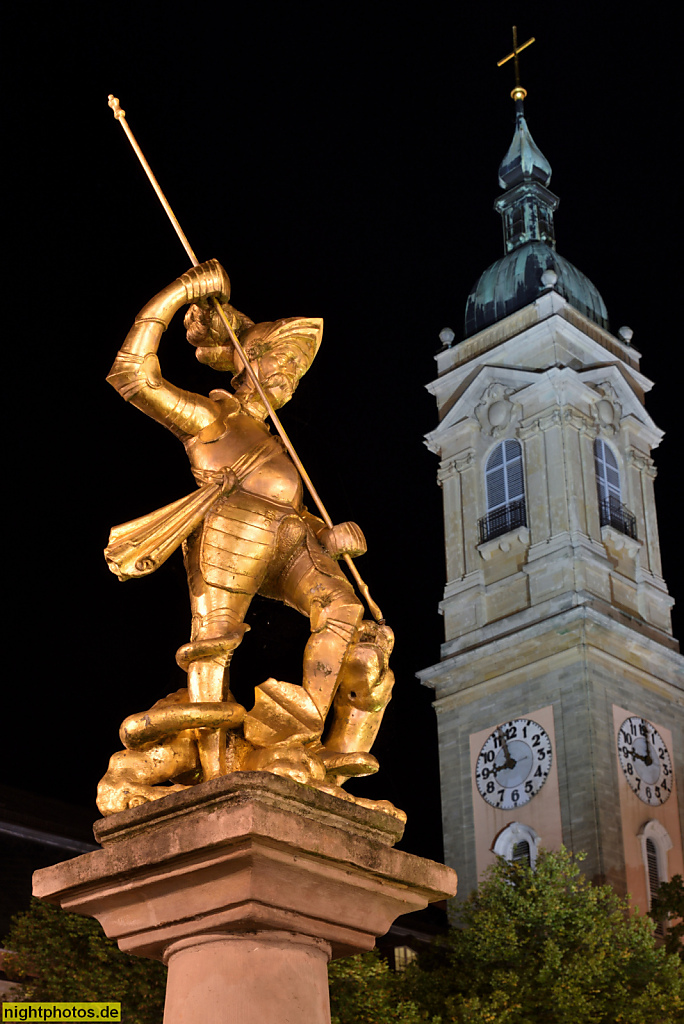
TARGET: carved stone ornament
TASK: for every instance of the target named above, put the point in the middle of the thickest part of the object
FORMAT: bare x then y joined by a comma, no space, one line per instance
617,542
644,463
490,547
608,410
495,410
458,464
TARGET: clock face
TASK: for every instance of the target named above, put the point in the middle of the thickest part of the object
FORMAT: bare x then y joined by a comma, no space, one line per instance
514,764
645,760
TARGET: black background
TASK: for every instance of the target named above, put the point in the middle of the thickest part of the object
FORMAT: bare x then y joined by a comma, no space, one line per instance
340,161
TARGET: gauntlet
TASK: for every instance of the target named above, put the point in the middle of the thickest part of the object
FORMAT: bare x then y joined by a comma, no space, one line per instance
343,539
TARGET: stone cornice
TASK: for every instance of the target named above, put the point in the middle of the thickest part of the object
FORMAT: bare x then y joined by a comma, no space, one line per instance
584,625
544,308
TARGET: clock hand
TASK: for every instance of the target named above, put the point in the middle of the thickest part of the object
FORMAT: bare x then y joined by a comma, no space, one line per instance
647,759
510,762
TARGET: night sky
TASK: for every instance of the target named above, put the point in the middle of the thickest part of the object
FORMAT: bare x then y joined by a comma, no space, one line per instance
340,161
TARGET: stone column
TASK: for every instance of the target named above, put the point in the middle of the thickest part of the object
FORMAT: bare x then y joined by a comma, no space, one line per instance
250,977
246,886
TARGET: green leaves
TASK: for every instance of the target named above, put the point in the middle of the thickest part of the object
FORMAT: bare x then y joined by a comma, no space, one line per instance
548,946
532,947
363,990
668,906
60,956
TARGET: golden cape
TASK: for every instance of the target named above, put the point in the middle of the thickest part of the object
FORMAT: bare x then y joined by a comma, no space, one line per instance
139,547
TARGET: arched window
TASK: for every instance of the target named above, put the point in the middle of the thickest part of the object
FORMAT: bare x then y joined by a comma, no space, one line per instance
505,487
518,844
521,853
611,510
652,866
655,843
607,472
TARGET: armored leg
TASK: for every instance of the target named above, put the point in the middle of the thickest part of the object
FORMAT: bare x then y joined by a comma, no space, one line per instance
335,614
217,630
364,692
286,714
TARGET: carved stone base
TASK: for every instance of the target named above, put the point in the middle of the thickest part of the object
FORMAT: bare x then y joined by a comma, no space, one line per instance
246,886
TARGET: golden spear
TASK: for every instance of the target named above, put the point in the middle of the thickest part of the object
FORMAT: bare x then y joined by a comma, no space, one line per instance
120,115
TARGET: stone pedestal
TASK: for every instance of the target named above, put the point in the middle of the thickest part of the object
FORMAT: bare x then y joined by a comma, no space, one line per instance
245,887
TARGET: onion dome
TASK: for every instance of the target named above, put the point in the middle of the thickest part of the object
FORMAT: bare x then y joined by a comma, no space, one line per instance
524,161
516,280
527,208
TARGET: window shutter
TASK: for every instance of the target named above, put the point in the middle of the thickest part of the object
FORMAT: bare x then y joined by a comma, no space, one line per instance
652,868
504,475
496,489
496,458
521,853
607,472
516,488
653,879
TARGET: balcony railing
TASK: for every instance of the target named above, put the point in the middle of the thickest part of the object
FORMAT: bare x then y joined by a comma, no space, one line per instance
501,520
613,513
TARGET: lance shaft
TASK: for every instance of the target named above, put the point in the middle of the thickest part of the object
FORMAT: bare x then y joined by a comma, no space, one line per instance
120,115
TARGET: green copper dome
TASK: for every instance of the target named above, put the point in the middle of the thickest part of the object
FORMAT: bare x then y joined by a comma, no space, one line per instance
527,208
515,280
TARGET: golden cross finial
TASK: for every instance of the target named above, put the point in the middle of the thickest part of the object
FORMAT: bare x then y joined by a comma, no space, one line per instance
518,93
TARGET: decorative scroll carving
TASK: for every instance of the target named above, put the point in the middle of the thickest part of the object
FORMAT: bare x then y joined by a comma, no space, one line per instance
581,422
644,463
535,424
608,409
457,464
495,410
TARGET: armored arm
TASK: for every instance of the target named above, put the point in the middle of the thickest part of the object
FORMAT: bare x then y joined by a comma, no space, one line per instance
136,373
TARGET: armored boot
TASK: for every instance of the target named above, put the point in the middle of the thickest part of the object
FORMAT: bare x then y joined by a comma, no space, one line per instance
206,662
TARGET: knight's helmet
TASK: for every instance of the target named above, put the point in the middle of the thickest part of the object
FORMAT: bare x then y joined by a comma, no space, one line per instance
283,351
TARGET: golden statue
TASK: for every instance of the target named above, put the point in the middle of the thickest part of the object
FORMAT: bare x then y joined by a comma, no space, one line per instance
243,531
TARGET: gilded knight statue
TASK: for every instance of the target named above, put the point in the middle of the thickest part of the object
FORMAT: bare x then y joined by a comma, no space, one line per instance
243,531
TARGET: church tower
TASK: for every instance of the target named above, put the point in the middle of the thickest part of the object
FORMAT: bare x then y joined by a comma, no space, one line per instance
560,689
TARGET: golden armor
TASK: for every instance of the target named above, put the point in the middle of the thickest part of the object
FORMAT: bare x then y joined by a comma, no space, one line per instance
243,531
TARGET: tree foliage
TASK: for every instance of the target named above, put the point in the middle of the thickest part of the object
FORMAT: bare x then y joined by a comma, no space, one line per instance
363,990
548,946
534,947
668,906
60,956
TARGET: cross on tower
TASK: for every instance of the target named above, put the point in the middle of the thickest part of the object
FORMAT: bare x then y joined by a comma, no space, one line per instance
518,93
